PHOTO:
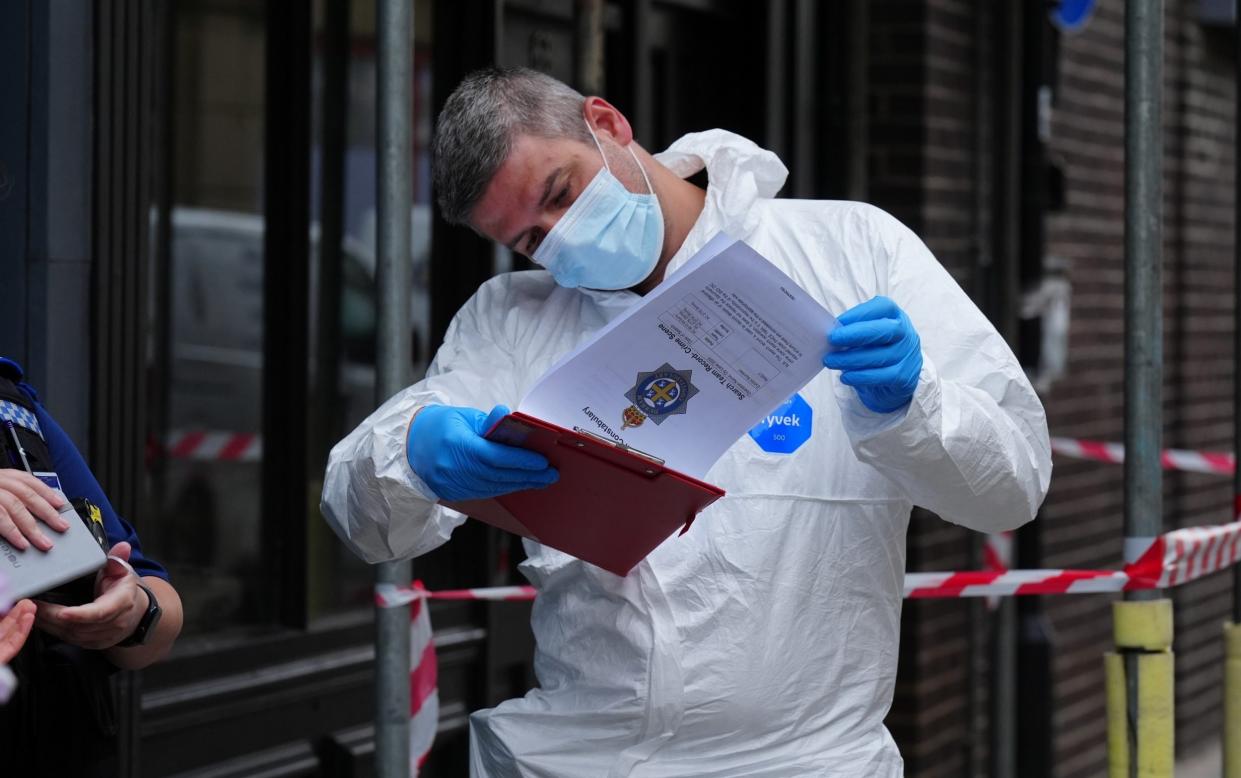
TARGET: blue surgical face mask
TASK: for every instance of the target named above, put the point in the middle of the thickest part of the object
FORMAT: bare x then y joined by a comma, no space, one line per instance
610,238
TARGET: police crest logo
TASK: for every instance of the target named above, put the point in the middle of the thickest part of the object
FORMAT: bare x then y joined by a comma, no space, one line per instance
659,394
632,417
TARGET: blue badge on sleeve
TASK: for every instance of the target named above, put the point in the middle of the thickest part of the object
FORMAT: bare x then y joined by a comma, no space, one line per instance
785,429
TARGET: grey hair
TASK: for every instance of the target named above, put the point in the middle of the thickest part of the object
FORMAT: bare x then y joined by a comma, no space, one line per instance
483,117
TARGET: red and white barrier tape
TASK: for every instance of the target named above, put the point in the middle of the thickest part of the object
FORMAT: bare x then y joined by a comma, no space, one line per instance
424,701
997,557
213,446
391,596
984,583
997,551
1175,558
1214,462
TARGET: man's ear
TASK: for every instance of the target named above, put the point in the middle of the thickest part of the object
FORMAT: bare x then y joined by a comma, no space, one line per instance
605,119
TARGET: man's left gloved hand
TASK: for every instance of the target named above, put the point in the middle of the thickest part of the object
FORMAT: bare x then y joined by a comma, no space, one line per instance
878,353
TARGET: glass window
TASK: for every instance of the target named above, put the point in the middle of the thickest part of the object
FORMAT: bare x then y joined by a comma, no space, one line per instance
344,388
207,333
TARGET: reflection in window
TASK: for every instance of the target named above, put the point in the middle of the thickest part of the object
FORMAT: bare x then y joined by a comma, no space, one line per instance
338,580
207,334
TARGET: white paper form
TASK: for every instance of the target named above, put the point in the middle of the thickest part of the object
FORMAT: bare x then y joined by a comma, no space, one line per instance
699,361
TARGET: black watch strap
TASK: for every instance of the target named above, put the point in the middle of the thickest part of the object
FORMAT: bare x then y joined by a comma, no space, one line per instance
148,622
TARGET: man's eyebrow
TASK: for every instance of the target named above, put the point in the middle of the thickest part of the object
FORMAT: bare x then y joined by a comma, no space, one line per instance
547,192
547,185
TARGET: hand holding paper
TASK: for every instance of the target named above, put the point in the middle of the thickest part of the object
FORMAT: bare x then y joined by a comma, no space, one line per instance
636,415
447,450
686,372
879,354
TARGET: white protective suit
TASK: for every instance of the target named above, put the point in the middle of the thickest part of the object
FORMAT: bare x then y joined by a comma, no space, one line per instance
764,641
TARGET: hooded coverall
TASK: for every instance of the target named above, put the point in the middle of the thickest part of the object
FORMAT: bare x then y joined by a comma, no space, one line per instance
764,641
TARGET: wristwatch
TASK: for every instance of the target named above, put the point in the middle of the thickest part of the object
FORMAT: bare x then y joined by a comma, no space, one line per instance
148,622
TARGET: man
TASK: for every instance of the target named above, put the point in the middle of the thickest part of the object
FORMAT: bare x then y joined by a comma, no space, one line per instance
764,641
61,721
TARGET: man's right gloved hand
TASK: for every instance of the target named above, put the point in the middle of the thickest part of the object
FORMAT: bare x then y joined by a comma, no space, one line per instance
447,450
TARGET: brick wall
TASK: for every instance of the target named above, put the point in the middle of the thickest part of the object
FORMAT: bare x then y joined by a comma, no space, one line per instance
921,165
1201,126
923,168
1083,516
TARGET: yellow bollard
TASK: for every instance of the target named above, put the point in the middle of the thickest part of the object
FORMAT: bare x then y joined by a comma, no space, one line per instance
1232,701
1140,673
1117,713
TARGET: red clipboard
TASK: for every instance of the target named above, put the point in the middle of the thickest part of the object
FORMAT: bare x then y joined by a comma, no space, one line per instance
612,505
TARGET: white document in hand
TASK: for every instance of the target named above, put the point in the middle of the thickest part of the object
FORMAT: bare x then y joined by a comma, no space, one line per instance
699,361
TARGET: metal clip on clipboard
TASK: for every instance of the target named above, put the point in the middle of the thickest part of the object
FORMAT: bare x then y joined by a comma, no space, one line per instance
628,449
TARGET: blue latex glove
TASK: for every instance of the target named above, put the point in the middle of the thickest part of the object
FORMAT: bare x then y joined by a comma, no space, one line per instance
447,450
879,353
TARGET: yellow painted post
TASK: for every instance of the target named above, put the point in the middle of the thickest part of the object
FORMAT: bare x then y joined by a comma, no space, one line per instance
1117,716
1232,701
1140,673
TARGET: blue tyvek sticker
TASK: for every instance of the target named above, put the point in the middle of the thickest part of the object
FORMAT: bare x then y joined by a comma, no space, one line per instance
785,429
